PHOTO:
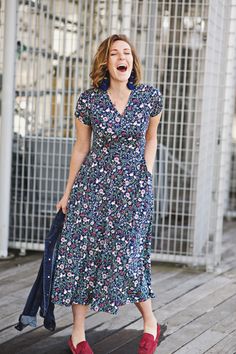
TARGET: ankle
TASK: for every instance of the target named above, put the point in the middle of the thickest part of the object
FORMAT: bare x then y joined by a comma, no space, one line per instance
150,326
151,321
78,335
76,339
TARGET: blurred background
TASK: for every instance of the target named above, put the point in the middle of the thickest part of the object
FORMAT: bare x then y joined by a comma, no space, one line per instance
187,49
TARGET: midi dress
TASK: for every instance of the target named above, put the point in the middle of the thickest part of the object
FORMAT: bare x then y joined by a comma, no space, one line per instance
103,256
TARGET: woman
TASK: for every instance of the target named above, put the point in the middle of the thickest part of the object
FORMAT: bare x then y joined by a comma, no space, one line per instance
104,251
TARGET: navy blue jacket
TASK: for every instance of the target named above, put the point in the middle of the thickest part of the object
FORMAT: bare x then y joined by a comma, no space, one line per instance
40,293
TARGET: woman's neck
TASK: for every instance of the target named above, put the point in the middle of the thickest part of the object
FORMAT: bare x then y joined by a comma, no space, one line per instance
119,89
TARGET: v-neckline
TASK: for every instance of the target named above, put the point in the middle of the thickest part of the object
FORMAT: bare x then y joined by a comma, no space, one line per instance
126,107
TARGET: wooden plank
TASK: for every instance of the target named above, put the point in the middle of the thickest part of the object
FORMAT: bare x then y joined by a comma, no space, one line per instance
61,334
20,269
227,345
116,330
120,338
199,308
210,337
16,310
185,317
197,326
128,311
30,338
21,284
62,314
102,318
190,297
121,333
20,294
13,286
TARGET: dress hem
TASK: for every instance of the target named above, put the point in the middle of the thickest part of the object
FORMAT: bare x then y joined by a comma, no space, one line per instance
96,308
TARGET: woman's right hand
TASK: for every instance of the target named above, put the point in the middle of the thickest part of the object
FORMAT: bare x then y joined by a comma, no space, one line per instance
62,204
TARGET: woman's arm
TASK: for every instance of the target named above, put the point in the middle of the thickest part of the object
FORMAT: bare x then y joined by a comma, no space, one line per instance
79,152
151,141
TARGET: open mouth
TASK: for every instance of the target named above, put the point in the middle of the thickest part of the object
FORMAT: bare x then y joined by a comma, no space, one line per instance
122,68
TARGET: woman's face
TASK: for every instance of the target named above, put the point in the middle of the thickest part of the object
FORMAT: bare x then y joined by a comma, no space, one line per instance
120,61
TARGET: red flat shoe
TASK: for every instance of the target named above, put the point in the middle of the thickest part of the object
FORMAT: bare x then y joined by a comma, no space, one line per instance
148,344
81,348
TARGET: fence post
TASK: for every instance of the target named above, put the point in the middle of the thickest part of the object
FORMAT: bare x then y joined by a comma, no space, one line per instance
7,121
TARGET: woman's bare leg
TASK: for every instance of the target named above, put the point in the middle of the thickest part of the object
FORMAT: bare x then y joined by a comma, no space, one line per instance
78,329
149,319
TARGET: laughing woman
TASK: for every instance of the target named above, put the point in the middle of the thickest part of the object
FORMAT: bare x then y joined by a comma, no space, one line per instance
104,253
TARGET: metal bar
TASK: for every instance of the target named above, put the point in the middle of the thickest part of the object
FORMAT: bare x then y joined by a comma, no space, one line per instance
171,43
7,121
225,120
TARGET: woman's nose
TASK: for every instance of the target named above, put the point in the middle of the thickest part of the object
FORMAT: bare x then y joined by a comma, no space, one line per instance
121,55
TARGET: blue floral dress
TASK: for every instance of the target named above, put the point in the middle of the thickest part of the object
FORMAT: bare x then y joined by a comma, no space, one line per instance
104,252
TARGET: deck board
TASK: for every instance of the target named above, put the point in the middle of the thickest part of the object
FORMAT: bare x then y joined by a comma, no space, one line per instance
199,307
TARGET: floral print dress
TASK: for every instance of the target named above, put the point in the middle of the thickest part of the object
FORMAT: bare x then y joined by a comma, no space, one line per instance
104,251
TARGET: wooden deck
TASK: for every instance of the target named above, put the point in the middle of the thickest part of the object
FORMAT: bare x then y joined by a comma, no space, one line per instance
199,307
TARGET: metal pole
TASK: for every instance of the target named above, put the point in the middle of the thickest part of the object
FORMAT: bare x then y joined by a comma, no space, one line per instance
229,57
7,121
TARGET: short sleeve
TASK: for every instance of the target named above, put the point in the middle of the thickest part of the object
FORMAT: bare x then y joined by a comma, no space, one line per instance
156,102
82,109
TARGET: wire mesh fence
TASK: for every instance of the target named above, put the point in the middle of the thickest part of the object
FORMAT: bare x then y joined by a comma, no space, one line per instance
183,48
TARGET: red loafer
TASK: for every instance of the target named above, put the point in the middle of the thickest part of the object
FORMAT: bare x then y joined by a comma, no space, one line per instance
148,344
81,348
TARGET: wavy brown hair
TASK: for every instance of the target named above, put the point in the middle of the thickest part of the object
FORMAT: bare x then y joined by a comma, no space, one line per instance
99,66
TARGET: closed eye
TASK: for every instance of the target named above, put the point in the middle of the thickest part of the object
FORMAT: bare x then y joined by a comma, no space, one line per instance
124,53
